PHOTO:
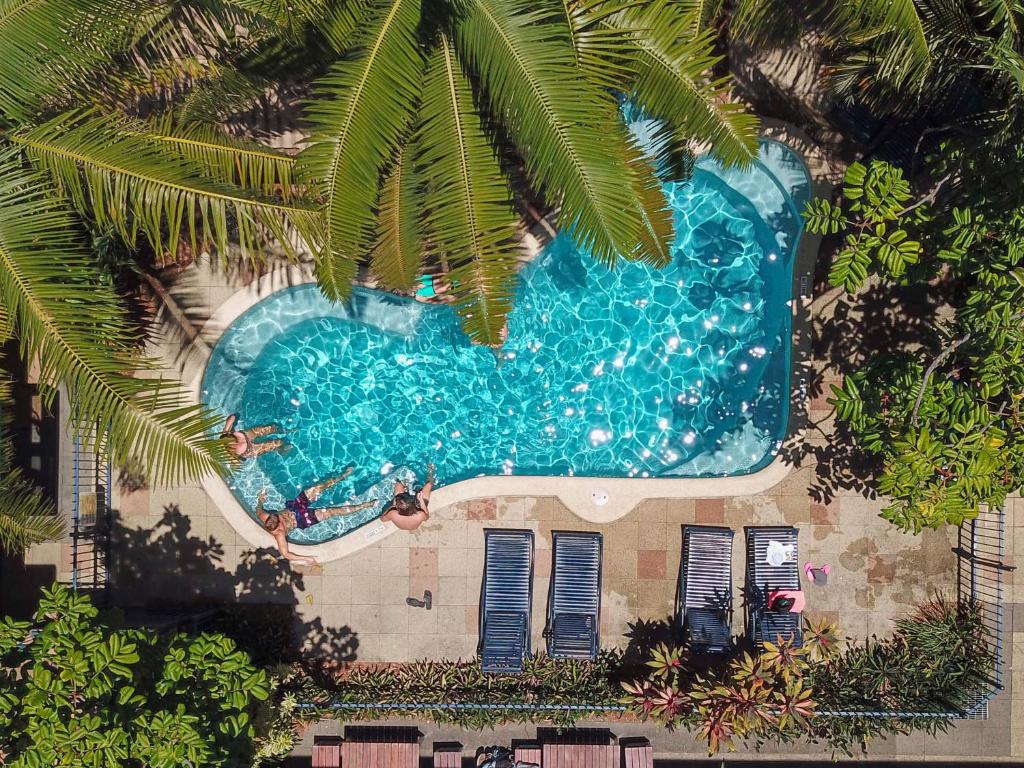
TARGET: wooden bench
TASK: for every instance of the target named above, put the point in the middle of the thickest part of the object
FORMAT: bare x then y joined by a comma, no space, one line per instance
380,748
326,752
447,755
528,753
581,756
638,753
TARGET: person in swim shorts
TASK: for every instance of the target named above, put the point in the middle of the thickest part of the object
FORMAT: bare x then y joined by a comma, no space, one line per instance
298,513
409,511
243,441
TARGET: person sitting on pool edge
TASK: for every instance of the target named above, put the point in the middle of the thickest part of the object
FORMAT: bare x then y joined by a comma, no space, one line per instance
299,514
409,511
243,444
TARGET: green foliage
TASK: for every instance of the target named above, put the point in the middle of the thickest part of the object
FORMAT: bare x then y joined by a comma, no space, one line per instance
874,214
74,155
433,115
945,425
544,681
755,698
26,517
932,664
77,692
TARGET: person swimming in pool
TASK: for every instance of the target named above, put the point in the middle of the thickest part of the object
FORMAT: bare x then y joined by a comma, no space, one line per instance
299,514
432,290
243,441
409,511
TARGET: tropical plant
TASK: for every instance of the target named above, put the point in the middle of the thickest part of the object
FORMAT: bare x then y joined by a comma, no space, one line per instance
78,692
956,63
929,668
753,697
427,689
432,115
946,420
71,150
874,215
26,517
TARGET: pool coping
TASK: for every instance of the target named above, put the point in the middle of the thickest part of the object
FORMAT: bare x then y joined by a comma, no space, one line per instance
596,500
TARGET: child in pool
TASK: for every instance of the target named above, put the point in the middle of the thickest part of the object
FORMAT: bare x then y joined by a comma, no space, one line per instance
299,514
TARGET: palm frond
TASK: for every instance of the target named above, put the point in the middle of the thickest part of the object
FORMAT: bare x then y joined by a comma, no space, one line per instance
397,255
1005,18
48,46
26,517
565,126
73,325
604,53
674,84
700,14
657,233
906,57
114,171
469,216
363,107
227,159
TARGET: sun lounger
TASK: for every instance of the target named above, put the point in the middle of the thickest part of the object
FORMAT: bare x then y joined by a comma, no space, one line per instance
773,578
704,610
574,599
506,597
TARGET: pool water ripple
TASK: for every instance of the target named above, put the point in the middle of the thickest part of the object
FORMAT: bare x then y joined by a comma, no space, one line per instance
634,371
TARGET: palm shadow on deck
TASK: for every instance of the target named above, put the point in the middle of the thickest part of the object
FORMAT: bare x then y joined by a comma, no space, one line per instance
166,577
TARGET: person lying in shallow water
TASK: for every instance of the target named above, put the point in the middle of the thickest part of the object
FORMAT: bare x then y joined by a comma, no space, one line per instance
299,514
409,511
243,441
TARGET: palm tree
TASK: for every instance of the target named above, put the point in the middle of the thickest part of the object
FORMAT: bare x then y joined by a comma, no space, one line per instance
433,111
958,61
70,150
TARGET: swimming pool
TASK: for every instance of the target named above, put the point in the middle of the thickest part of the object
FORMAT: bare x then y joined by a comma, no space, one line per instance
632,372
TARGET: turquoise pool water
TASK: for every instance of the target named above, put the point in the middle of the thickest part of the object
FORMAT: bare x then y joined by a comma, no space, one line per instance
629,372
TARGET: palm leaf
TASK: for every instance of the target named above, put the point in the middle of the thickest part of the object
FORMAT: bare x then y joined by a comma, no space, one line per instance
604,53
397,255
564,125
363,107
906,56
228,159
114,171
66,319
469,216
674,84
26,517
50,46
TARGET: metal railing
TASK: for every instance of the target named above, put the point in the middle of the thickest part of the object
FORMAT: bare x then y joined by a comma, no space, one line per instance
90,520
981,550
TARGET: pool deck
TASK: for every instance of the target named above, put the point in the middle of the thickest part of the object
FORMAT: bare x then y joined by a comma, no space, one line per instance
175,546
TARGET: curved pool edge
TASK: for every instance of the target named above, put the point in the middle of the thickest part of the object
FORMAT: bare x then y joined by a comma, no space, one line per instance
623,493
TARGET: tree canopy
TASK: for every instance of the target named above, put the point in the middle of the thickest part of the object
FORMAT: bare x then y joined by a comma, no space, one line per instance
77,692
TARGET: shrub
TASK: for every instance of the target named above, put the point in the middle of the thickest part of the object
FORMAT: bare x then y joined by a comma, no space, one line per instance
932,664
74,691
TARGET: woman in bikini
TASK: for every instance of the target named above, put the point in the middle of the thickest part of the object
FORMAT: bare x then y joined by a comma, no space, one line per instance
243,441
299,514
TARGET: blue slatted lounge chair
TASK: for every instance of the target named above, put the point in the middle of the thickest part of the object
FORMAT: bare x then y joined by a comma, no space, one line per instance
574,599
506,598
704,610
764,579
